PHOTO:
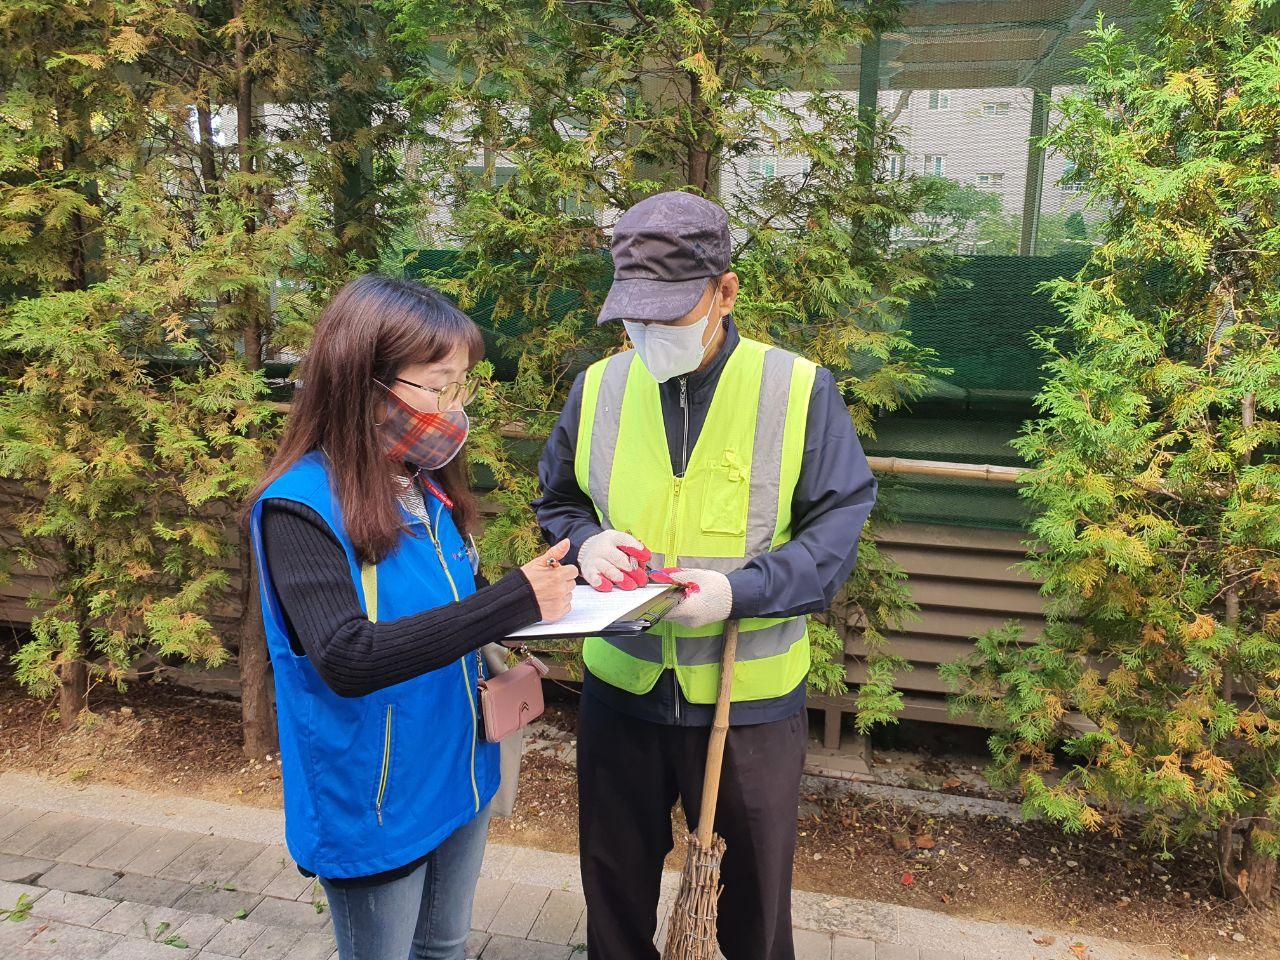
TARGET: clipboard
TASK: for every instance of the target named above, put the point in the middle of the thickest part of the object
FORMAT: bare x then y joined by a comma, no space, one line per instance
647,620
632,614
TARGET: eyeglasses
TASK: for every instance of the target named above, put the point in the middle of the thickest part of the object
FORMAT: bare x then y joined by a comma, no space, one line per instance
450,394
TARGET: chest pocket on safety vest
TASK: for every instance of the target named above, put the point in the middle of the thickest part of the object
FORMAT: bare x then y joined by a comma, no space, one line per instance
724,499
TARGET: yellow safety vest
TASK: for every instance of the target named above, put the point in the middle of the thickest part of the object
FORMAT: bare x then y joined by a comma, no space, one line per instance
732,504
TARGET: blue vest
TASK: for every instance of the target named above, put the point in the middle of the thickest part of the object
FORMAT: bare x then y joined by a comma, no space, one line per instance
373,783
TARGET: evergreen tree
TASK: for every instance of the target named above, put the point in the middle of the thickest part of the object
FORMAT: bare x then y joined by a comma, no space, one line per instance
1158,534
543,120
178,198
111,453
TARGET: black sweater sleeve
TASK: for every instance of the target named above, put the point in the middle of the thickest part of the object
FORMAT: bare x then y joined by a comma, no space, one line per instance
309,571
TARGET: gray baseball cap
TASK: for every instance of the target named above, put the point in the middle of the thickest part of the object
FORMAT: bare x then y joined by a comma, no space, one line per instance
665,249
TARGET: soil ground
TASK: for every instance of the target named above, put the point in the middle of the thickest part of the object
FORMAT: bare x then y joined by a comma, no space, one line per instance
848,844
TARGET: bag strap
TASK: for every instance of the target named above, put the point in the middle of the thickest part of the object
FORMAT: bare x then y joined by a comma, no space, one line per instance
369,580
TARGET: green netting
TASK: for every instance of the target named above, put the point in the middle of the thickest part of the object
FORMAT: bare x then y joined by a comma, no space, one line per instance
979,325
425,264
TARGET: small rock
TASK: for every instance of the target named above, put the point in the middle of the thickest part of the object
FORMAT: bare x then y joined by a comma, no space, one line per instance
1072,863
1238,937
1024,862
126,711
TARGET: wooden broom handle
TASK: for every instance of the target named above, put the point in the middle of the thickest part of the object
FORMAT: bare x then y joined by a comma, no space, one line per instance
719,731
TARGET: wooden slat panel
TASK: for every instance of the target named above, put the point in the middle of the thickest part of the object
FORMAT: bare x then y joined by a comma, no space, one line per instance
964,538
998,599
965,583
981,565
923,677
933,709
21,586
968,623
15,611
917,649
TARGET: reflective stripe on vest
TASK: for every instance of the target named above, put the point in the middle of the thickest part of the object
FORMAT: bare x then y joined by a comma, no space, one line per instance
744,466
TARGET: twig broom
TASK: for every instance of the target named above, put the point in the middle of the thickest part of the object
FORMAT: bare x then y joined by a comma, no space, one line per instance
691,931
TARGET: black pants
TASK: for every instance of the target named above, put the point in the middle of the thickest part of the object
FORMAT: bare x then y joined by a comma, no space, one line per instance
630,774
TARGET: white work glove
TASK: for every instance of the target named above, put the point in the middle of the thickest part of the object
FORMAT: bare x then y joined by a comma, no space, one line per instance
708,599
613,559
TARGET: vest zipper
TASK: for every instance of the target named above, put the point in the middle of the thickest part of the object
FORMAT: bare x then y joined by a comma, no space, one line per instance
684,468
386,763
674,560
466,678
684,405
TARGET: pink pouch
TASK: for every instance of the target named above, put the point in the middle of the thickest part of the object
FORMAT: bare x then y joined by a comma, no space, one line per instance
510,700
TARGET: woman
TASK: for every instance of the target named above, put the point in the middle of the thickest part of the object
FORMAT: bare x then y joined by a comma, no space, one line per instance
374,620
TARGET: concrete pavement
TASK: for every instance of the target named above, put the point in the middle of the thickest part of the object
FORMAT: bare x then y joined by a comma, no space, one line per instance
104,873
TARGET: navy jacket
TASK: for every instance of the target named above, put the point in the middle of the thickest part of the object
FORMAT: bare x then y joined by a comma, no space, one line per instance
833,497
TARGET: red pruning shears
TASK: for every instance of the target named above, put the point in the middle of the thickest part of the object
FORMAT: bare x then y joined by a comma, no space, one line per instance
644,574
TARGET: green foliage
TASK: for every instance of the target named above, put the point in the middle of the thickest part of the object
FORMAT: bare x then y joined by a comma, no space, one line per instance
19,911
155,256
542,121
1056,234
1156,474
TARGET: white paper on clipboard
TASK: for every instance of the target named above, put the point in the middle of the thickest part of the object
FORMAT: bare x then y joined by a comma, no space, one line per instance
593,611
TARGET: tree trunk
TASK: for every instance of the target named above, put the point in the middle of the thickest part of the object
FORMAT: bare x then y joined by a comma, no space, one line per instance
701,161
701,147
73,692
347,119
208,168
256,715
1248,875
204,117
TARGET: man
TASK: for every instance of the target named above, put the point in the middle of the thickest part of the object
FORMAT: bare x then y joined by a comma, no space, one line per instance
738,463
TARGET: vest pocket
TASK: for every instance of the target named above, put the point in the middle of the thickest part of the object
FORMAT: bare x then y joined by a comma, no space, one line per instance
384,773
724,497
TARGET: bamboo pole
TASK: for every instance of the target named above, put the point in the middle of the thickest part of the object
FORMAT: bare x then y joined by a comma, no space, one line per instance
896,466
980,472
900,466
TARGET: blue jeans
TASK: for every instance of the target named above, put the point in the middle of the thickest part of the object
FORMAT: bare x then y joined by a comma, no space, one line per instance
423,916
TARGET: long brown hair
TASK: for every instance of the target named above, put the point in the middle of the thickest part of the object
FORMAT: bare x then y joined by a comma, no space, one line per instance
372,329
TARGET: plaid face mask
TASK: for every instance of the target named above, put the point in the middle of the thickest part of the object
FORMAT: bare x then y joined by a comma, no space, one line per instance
427,440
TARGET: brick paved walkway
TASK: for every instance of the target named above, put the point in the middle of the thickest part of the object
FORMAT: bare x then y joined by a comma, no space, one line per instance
112,874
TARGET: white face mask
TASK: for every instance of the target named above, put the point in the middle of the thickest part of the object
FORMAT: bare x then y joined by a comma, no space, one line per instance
668,351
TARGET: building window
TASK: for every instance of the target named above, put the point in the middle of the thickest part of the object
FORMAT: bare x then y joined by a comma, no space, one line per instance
897,165
762,167
935,164
995,109
987,181
939,100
